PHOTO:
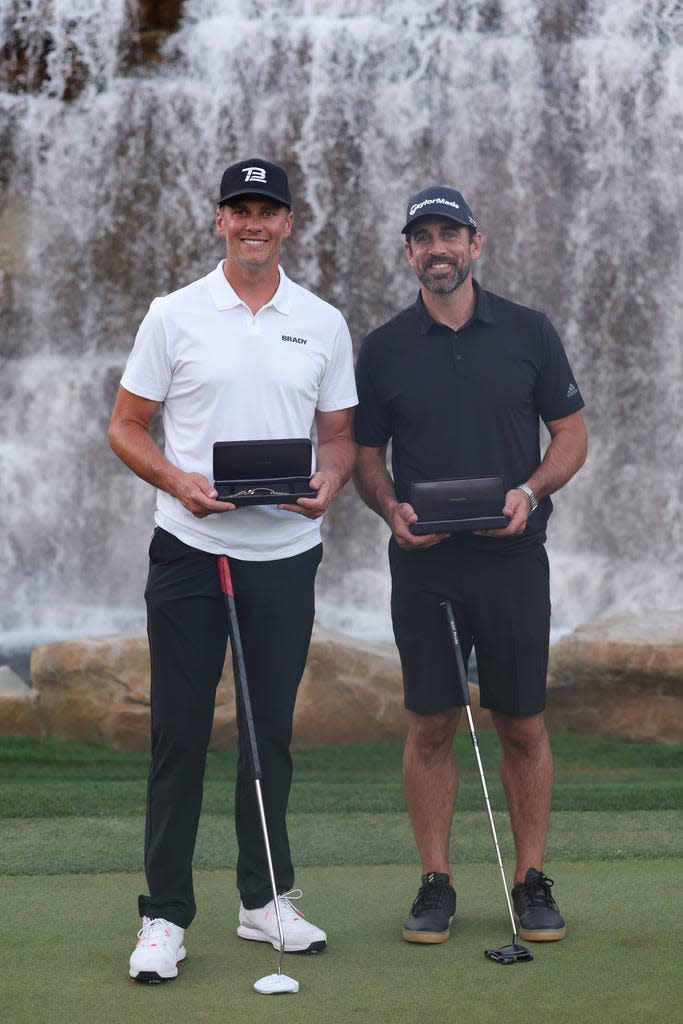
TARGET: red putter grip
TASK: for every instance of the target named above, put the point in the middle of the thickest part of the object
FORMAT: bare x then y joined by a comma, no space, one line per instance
224,576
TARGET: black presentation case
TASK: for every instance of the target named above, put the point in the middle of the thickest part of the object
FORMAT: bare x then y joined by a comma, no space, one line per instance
466,503
263,472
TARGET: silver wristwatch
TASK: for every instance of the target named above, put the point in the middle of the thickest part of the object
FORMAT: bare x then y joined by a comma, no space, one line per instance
530,495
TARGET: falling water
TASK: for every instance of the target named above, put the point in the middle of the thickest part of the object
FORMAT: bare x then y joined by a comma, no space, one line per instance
559,121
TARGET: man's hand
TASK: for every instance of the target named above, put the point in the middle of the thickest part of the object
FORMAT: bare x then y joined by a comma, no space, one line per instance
563,457
197,495
335,460
326,487
376,488
399,518
130,439
517,508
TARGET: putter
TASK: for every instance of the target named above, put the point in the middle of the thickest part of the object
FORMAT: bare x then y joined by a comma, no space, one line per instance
279,982
514,953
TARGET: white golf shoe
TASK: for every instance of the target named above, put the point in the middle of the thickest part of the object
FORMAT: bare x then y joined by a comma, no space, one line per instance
158,951
300,935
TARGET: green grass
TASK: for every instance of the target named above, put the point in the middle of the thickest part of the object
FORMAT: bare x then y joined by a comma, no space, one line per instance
613,800
71,937
44,779
71,853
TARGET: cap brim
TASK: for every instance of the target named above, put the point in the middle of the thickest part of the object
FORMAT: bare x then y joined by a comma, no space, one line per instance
259,193
437,213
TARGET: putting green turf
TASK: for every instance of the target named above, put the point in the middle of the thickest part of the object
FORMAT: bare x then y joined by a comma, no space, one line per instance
67,939
71,821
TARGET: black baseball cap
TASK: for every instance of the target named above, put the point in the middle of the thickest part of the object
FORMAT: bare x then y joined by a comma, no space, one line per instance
255,177
438,201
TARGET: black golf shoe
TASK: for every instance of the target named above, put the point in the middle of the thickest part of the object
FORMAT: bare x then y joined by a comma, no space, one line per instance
536,910
432,912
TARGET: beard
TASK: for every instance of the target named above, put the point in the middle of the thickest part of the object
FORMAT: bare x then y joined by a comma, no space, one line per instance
448,280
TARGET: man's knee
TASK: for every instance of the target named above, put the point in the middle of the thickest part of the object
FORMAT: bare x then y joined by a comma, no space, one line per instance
430,735
521,735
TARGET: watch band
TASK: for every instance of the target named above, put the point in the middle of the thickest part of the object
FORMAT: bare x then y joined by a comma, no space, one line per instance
530,495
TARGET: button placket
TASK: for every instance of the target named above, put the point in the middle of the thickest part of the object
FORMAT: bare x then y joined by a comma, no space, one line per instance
457,351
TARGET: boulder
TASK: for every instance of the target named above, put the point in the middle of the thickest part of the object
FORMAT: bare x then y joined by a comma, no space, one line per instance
19,715
620,676
96,690
351,692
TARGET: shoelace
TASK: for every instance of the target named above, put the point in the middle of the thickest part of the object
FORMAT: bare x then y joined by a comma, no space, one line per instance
537,893
154,930
287,911
429,897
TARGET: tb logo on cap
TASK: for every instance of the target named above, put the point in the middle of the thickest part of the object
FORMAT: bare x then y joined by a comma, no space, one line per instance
254,173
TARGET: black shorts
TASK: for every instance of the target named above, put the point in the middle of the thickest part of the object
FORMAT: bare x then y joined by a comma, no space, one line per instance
501,601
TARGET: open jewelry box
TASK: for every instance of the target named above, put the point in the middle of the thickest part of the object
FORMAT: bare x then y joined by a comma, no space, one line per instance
263,472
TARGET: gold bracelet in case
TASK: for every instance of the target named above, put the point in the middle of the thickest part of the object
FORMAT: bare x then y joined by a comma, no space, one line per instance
254,491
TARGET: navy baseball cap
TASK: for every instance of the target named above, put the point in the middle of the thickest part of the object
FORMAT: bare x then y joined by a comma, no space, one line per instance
439,201
255,177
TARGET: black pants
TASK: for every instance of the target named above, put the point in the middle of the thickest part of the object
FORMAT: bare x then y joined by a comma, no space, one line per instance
188,633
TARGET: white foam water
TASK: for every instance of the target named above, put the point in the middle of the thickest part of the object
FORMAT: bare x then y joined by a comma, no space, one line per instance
557,121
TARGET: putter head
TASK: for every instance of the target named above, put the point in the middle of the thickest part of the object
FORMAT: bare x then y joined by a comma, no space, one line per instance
272,984
512,954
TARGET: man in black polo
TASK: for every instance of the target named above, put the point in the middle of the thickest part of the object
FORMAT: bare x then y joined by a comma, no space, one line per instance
459,382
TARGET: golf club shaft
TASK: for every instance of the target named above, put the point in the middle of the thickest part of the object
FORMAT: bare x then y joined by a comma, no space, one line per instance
247,719
462,679
271,872
238,665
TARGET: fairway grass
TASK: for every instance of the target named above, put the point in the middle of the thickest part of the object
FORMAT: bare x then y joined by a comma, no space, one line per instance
70,808
50,846
66,961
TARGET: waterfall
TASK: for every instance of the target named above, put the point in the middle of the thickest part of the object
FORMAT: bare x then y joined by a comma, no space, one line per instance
559,122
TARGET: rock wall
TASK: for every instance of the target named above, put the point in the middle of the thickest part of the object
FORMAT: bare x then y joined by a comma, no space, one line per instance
19,714
96,690
24,57
619,677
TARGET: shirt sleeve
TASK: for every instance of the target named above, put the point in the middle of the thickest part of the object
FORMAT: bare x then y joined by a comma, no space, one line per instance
338,387
148,372
556,392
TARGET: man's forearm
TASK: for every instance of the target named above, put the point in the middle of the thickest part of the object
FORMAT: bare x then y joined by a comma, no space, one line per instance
336,459
132,443
564,456
374,484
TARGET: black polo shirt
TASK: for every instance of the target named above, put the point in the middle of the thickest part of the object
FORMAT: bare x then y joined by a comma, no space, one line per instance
467,402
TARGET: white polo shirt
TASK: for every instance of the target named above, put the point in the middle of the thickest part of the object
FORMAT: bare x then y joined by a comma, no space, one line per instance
225,374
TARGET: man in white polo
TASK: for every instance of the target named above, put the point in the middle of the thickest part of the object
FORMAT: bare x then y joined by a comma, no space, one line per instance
243,353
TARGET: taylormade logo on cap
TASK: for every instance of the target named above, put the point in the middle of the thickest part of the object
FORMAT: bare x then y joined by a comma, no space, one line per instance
439,201
427,202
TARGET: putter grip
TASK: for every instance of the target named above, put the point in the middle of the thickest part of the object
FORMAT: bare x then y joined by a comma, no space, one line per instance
457,650
224,576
